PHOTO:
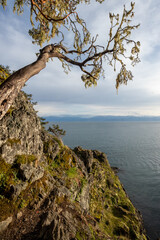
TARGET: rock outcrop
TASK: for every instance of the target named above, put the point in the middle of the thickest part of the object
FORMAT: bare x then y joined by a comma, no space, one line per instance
49,191
20,131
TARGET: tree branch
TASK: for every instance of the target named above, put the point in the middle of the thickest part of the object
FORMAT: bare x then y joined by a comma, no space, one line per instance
47,17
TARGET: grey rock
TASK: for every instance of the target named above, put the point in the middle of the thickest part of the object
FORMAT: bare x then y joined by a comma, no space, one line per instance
29,173
26,171
19,215
22,125
37,174
100,156
84,197
86,156
4,224
17,189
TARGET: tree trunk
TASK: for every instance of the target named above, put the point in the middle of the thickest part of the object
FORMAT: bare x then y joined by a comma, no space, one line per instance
10,88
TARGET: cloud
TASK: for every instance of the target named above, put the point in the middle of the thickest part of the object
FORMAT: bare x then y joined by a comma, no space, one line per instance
16,49
60,94
62,109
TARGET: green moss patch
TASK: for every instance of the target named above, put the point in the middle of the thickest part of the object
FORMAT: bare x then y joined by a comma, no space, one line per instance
4,166
12,141
8,177
72,172
25,159
65,159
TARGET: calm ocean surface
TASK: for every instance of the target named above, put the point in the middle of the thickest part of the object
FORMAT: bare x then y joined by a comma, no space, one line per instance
133,147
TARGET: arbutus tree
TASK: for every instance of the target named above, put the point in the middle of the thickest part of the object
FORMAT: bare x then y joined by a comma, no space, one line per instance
52,19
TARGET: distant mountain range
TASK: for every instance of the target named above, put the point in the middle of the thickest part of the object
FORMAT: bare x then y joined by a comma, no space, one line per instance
101,118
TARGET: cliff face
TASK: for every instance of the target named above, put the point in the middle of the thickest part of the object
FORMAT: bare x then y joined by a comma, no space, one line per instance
20,131
48,191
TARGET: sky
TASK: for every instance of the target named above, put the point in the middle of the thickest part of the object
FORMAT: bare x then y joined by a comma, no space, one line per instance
59,94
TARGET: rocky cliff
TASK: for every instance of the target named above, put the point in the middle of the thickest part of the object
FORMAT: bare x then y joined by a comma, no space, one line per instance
49,191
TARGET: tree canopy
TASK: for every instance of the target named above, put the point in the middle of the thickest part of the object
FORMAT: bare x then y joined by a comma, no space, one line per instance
51,20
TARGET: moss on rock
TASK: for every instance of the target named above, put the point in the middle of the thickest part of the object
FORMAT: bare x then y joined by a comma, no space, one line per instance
25,159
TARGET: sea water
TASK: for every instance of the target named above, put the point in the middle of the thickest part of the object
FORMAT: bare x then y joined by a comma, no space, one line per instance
133,147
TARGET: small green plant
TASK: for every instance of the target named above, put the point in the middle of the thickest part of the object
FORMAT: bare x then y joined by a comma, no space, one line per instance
81,236
15,175
43,121
3,180
54,165
1,197
72,172
56,130
22,204
83,182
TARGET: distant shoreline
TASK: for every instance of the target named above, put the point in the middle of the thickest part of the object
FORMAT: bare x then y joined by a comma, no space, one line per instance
103,119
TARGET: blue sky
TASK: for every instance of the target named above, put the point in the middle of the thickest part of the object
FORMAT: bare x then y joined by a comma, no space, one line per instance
61,94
